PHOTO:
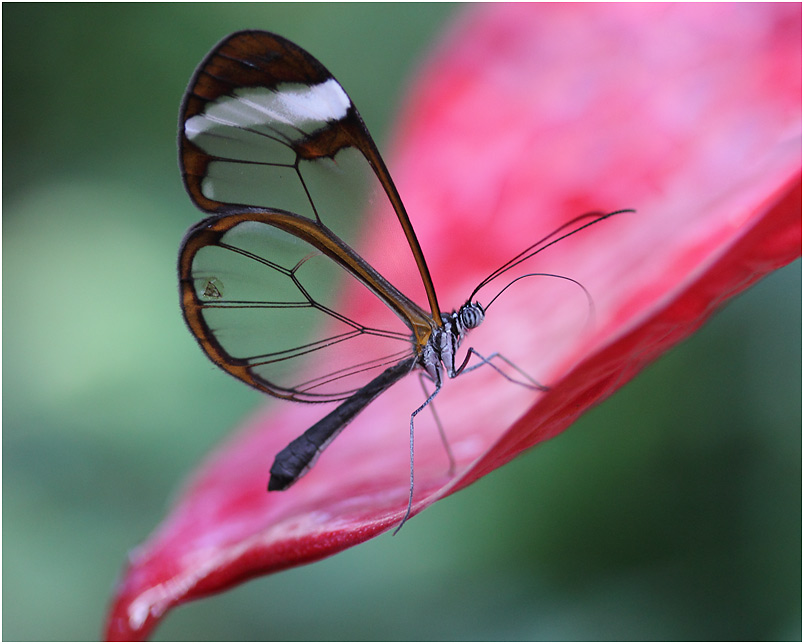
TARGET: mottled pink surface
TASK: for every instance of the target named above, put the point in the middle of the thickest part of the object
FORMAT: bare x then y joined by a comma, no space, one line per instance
526,116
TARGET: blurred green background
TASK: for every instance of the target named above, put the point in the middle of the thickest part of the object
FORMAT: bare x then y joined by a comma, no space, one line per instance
671,512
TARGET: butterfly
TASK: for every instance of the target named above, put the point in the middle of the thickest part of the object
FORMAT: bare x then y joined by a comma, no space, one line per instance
273,150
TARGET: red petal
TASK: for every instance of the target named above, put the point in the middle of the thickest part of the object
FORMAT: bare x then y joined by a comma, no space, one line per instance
529,115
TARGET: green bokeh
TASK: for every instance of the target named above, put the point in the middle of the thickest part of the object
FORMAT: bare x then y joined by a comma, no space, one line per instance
673,511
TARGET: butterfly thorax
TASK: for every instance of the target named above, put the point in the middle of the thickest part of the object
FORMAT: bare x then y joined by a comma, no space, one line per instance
442,347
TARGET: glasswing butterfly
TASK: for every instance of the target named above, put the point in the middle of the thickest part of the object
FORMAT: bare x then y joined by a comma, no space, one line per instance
274,151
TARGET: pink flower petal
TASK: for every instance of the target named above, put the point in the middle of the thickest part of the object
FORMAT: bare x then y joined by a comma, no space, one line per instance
528,116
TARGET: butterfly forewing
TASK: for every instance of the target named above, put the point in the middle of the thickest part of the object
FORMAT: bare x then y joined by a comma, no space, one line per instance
272,146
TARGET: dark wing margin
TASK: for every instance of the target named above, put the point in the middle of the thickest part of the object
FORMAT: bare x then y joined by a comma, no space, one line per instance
263,84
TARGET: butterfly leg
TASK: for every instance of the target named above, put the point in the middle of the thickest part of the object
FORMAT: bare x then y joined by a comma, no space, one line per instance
528,382
412,417
441,433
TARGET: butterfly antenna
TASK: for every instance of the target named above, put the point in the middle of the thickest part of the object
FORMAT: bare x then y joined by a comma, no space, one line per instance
575,225
589,300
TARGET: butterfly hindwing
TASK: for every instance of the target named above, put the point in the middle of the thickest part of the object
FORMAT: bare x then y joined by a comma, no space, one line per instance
263,304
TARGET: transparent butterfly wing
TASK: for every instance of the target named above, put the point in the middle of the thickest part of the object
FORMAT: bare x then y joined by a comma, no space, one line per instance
264,305
273,148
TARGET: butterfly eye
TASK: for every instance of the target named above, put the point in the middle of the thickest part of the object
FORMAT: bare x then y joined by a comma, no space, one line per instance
471,315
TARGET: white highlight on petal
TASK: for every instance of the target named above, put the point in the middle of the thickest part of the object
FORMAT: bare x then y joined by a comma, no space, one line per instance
292,105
